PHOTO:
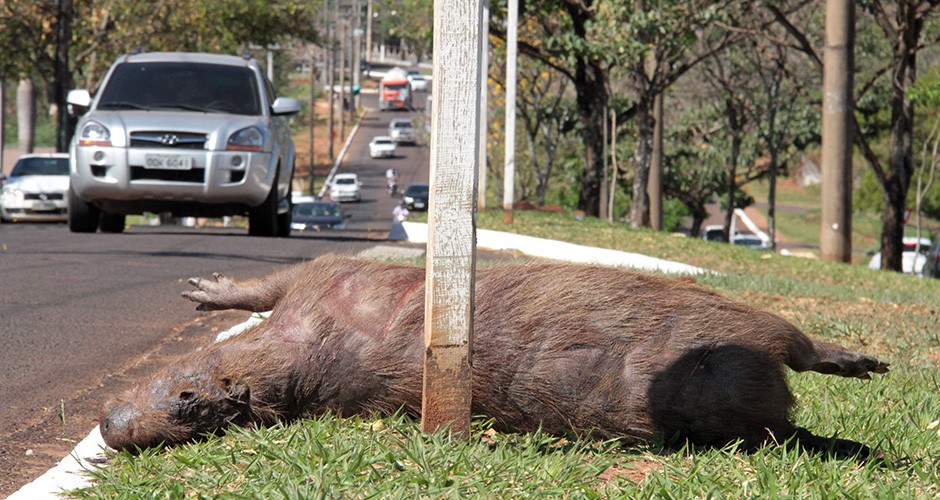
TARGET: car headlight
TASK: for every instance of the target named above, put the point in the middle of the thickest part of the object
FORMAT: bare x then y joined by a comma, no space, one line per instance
94,134
11,194
408,199
299,226
246,139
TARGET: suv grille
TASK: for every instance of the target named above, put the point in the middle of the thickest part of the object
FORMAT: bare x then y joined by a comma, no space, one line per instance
157,139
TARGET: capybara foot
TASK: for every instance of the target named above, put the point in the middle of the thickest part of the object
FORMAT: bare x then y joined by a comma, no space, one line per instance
849,364
215,294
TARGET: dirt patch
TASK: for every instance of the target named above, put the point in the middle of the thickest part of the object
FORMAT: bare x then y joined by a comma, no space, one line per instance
28,452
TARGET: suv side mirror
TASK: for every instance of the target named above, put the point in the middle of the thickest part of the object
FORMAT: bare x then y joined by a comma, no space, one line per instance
78,98
285,106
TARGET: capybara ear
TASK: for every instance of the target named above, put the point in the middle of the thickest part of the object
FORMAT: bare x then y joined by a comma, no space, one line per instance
238,393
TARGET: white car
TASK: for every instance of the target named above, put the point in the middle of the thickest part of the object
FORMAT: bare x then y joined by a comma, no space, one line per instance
418,82
911,261
37,189
345,187
382,146
402,130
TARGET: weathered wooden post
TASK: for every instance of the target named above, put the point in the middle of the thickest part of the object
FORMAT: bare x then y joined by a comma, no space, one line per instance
509,170
455,115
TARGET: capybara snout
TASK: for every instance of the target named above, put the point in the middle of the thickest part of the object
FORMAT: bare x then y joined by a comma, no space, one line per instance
556,347
173,408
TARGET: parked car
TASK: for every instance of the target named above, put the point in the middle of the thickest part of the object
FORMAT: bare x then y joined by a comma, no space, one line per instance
912,262
382,146
416,196
195,135
345,187
402,130
750,241
418,82
36,189
318,215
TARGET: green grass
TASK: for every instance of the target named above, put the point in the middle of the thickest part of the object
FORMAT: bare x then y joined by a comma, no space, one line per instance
892,316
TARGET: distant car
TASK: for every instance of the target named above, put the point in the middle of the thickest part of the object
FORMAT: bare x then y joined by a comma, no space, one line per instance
416,196
382,146
345,187
912,262
318,216
37,189
418,82
750,241
402,130
715,232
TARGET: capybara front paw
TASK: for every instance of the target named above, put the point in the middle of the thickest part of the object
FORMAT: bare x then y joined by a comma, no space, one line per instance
213,294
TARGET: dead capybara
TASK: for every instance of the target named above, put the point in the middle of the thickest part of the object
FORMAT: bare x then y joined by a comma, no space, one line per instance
556,346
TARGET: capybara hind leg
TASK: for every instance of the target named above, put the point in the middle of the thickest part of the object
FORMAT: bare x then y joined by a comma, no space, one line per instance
220,292
835,360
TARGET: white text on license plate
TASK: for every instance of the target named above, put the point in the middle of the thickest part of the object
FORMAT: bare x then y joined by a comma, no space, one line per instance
168,162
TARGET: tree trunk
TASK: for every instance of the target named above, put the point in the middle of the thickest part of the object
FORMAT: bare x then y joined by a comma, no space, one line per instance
63,75
640,201
25,116
901,154
591,85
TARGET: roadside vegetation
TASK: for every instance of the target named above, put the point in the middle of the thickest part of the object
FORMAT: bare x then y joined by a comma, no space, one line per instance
886,314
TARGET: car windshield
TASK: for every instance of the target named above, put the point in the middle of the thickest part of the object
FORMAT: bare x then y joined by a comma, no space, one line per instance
345,181
417,191
402,125
316,209
210,88
41,166
383,141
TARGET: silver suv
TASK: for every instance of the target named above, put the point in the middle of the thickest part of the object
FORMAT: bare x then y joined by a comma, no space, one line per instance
402,130
197,135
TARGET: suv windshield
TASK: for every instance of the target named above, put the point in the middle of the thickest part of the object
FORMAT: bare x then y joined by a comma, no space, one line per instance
189,86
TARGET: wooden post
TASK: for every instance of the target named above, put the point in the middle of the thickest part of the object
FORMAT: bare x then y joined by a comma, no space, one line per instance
835,235
509,174
448,306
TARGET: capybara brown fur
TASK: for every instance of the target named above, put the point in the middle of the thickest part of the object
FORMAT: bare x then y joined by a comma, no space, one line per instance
561,347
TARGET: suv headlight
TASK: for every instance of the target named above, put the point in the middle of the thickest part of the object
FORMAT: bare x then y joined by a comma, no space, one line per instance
94,134
246,139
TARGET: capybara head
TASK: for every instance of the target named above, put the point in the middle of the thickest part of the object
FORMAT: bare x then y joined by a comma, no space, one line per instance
176,406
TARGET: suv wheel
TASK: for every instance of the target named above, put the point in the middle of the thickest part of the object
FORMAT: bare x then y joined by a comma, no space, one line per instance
83,216
263,219
112,223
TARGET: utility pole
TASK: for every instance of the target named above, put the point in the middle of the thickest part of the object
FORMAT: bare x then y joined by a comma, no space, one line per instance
3,115
451,248
313,115
343,99
835,238
356,56
484,95
331,74
509,175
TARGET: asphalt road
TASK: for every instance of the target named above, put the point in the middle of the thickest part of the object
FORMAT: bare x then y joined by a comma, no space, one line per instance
78,311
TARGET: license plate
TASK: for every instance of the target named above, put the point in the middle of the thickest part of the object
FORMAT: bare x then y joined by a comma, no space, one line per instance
168,162
418,204
44,206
